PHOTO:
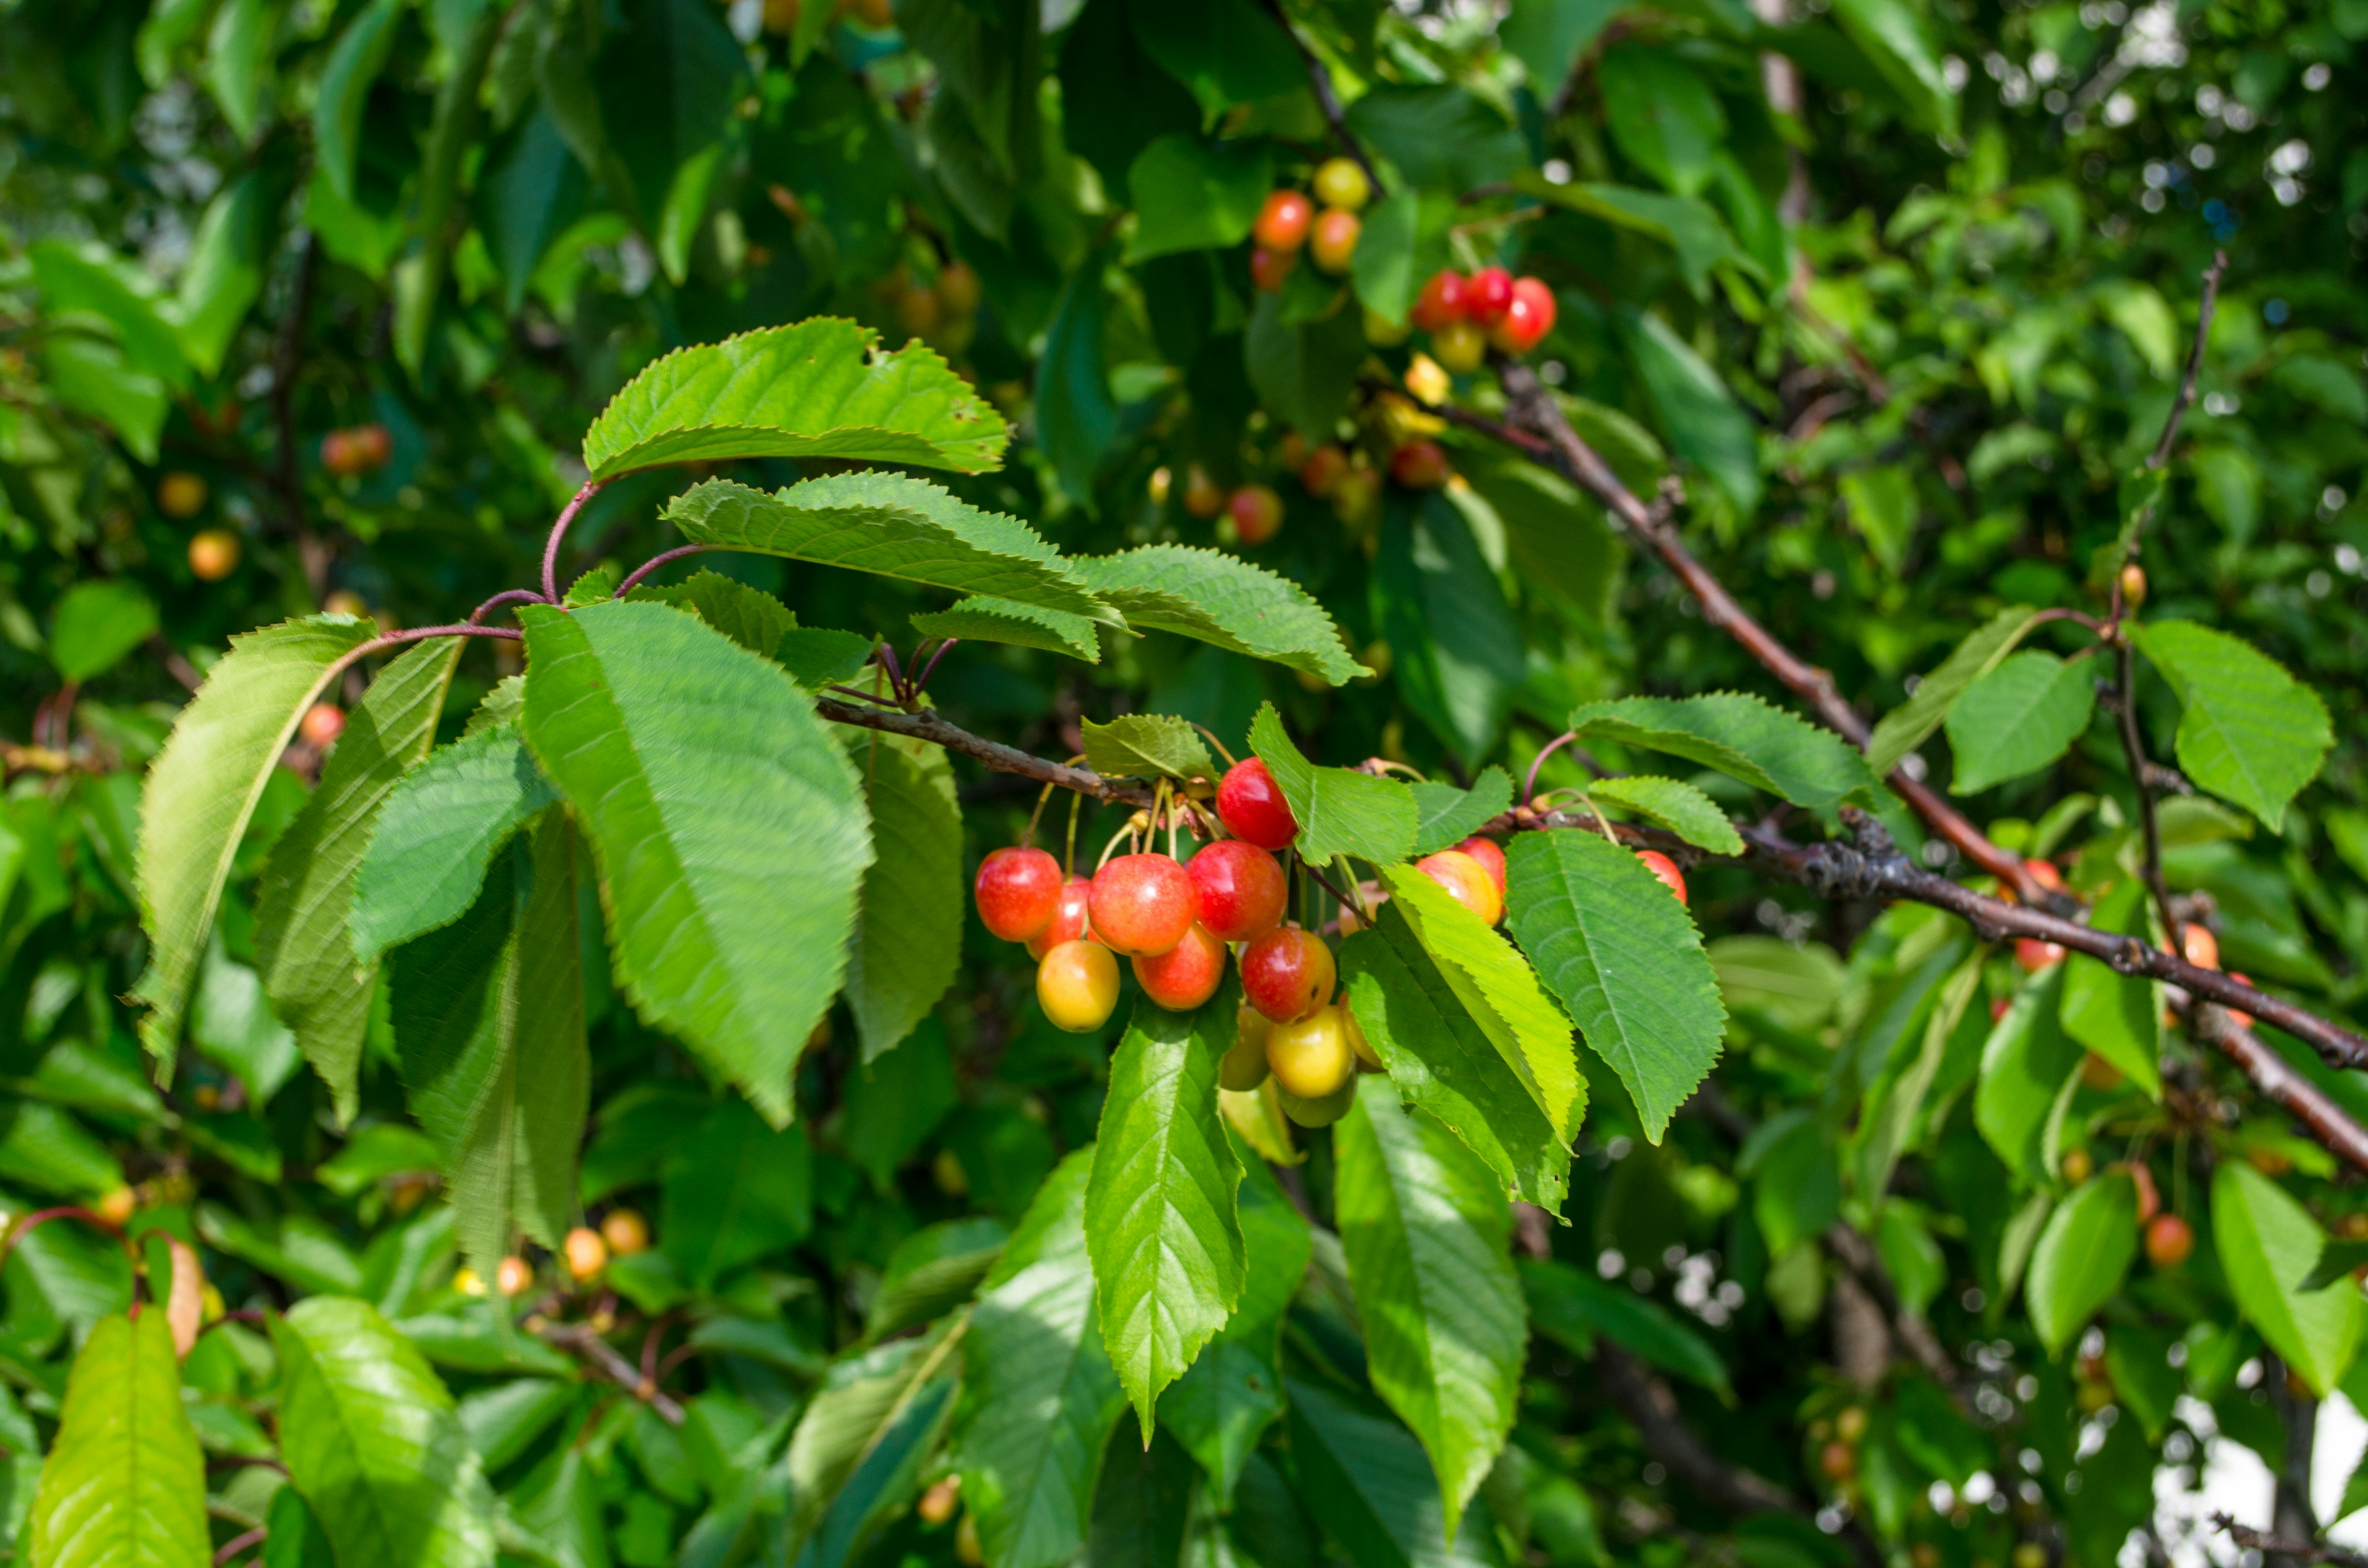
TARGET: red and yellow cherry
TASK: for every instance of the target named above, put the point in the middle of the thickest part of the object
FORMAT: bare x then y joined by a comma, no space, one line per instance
1838,1460
1269,268
514,1276
1466,881
1288,974
625,1231
181,496
2078,1165
1322,473
1318,1113
1999,1006
1460,346
1334,244
1491,856
2242,978
1311,1057
587,1253
2201,947
1250,804
1185,975
1283,222
213,555
1661,865
1019,892
1243,1067
1341,182
2169,1239
939,1503
1368,1058
1419,465
1529,318
1488,295
1203,496
322,724
1440,301
2035,955
1428,379
2045,873
1077,985
1257,512
1070,921
1239,889
1141,904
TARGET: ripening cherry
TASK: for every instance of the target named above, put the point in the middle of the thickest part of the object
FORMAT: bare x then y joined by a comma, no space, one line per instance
181,496
1460,346
1203,496
2079,1165
1491,856
1999,1006
1185,975
1250,804
1287,974
2149,1197
2201,947
1368,1058
1239,889
1318,1113
118,1207
514,1276
1141,904
1488,296
2133,584
2169,1239
587,1253
1466,881
1428,379
1019,892
1440,301
1357,497
1341,182
1334,244
1321,473
939,1503
1661,865
1419,465
1257,512
1243,1067
2045,873
2035,955
213,555
1311,1057
1070,921
1077,985
322,724
1529,318
1282,222
1269,268
1838,1460
2244,1019
625,1231
958,289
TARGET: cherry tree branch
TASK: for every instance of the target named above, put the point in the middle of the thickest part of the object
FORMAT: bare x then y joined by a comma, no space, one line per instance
2206,303
928,726
580,1339
1327,98
2295,1551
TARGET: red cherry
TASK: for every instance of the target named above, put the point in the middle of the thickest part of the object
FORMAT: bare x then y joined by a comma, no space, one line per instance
1185,975
1257,512
1529,318
2244,1019
2200,947
1283,222
1440,303
1488,296
2169,1239
1240,888
1070,920
1419,465
1491,857
1288,974
1141,904
1269,268
1466,881
1252,807
1320,474
1661,865
1999,1006
2045,873
2035,955
322,724
1019,892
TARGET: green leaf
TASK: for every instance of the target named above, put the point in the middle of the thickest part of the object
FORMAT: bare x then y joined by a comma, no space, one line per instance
2117,1015
202,790
1160,1219
124,1485
1741,736
304,944
1911,723
1445,815
891,524
1339,811
907,939
1699,415
1304,371
750,616
1662,114
1426,1230
1624,955
814,389
855,1447
372,1442
1222,600
354,64
1077,414
934,1269
1675,805
1796,1181
1894,38
1368,1482
2250,732
983,619
2335,1261
1192,195
710,791
1444,138
1392,246
438,830
1040,1399
98,621
1546,36
817,656
1147,745
1438,606
1699,239
2018,718
2268,1246
735,1190
2029,1066
2082,1258
1572,1308
1226,51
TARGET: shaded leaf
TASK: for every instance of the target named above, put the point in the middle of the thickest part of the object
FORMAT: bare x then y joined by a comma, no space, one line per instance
750,616
2117,1015
2029,1066
907,938
983,619
1739,734
1572,1308
1369,1484
1192,195
1339,811
1445,815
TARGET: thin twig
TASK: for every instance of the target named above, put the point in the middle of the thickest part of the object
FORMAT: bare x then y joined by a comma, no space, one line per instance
239,1543
558,533
580,1339
633,578
507,597
928,726
2206,303
2300,1551
1327,100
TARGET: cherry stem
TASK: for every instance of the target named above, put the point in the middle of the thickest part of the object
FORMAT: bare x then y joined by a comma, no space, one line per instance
558,533
931,668
885,658
1221,750
1069,855
1043,799
39,1217
633,578
1529,784
507,597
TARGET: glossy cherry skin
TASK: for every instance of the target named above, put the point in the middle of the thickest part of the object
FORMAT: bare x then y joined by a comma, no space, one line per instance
322,724
1323,470
1311,1057
1529,318
1019,892
1335,243
2035,955
1466,881
1368,1058
1185,975
1488,296
2200,946
1250,804
1491,856
1440,301
1288,974
1341,182
1141,904
1070,921
1257,512
1243,1067
1077,985
1661,865
1240,888
1283,222
1419,465
2169,1239
1460,346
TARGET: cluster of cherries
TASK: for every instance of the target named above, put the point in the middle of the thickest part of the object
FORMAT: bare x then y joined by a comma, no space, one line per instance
1252,514
1466,316
1289,222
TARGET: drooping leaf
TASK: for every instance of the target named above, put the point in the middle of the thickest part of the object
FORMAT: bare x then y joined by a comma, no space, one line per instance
1572,1308
2268,1244
907,939
858,1441
2248,731
100,621
372,1442
710,791
933,1270
1426,1229
2082,1258
2117,1015
817,388
1220,599
304,944
1437,604
1625,958
1077,412
1739,734
1699,415
1911,723
440,828
124,1484
1675,805
750,616
1339,811
1662,113
1147,745
202,790
2028,1065
1445,815
1227,51
983,619
1369,1484
2018,718
1160,1217
353,66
